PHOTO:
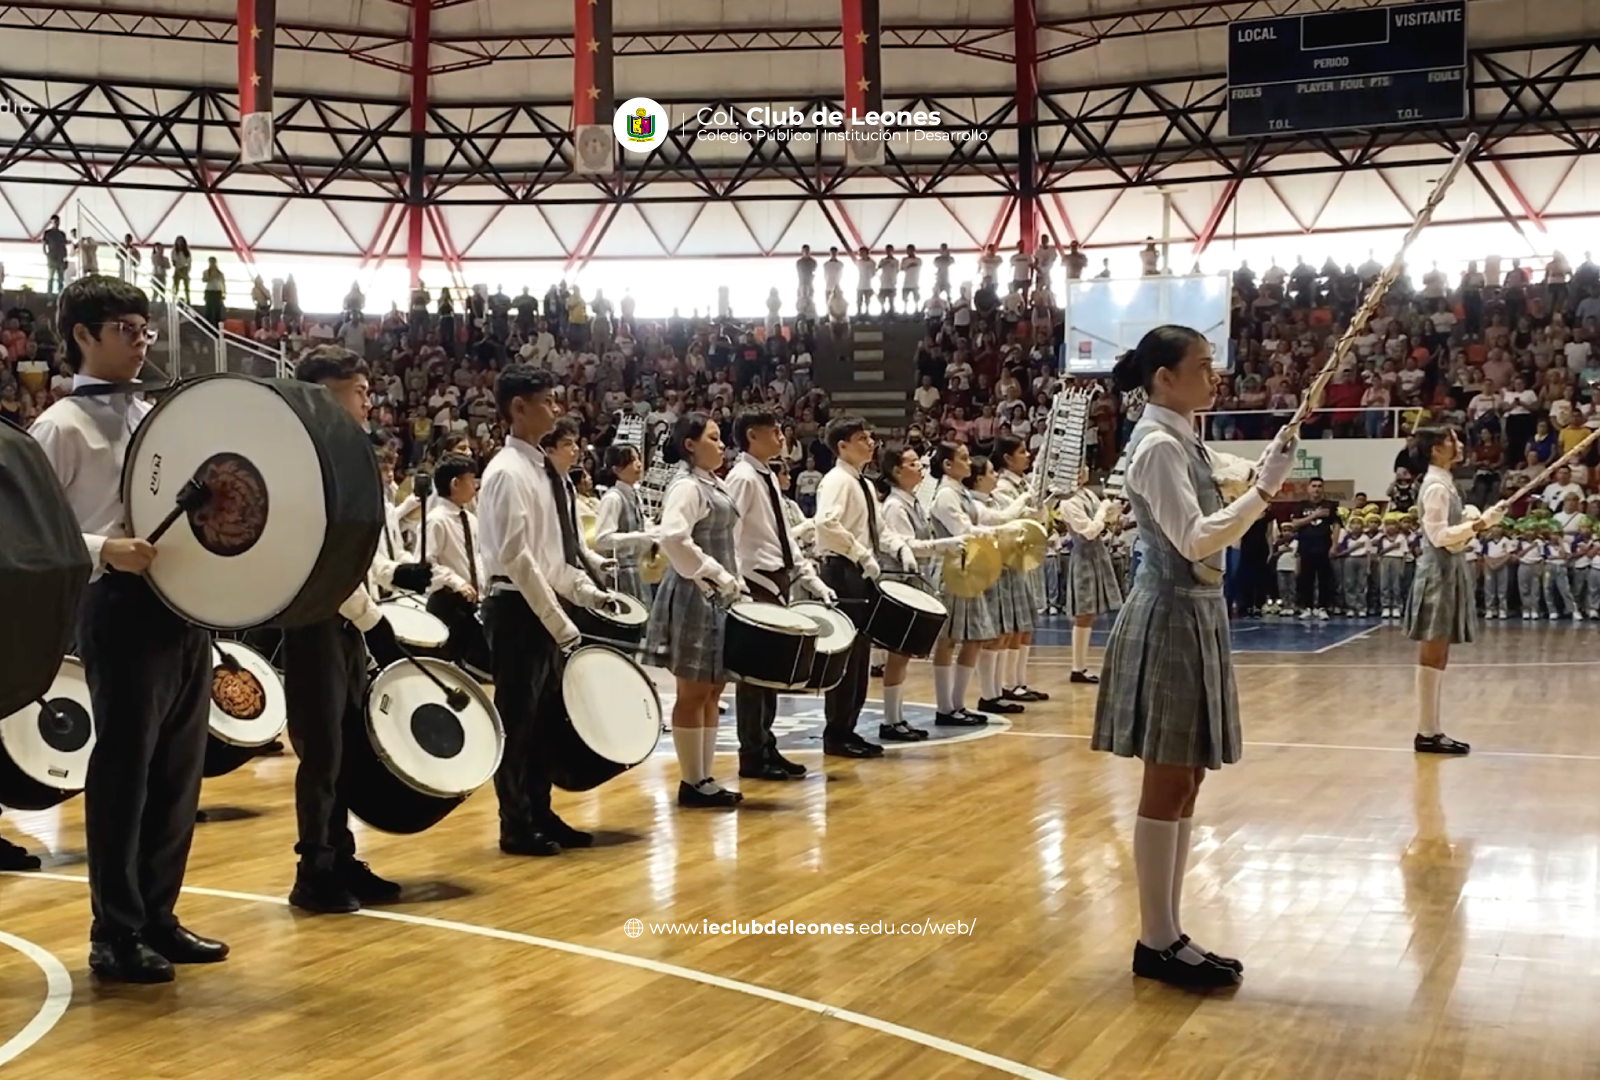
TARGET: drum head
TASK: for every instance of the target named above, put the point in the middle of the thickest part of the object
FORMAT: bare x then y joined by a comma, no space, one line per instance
294,509
52,748
773,617
413,626
835,631
912,597
426,744
630,612
612,704
248,707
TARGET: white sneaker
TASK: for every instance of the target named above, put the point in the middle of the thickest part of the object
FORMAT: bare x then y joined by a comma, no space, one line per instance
1577,616
1553,616
1322,615
1305,616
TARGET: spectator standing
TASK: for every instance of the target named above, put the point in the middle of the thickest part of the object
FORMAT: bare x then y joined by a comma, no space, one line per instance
216,288
1316,525
54,242
182,261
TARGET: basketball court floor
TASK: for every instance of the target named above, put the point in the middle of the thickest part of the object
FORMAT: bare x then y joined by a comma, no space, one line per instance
1399,917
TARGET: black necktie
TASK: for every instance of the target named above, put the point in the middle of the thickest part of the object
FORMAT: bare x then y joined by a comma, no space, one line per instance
779,521
872,513
565,518
472,560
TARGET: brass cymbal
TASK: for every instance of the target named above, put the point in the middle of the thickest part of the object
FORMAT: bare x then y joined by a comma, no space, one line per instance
653,567
1027,546
970,572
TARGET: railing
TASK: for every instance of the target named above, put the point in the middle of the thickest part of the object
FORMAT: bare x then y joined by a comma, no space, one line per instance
188,333
1356,422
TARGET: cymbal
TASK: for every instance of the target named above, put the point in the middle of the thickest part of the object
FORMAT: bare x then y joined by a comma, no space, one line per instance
653,567
971,572
1026,548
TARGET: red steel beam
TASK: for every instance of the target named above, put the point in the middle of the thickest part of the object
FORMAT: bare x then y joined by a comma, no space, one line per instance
1533,216
1208,231
421,25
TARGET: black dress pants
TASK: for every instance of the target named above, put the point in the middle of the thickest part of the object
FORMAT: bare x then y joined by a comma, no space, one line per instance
325,684
1316,574
527,694
467,645
755,707
149,675
842,705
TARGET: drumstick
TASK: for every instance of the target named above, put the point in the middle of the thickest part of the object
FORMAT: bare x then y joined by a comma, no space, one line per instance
224,661
456,699
191,497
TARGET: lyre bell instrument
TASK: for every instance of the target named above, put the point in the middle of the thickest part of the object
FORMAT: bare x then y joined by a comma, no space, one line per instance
972,571
1055,471
1023,544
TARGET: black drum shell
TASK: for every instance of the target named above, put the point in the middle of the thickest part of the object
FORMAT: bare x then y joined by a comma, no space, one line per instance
595,626
767,658
223,758
827,671
376,795
572,765
900,629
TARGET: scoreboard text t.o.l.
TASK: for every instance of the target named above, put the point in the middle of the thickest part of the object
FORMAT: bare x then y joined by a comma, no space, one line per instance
1366,68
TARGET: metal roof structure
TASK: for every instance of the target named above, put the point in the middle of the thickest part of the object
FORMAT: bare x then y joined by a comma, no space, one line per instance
441,131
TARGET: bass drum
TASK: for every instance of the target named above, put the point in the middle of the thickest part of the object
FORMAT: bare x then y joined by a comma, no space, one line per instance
415,627
294,505
44,571
623,625
415,759
613,719
905,619
44,752
248,707
768,645
836,635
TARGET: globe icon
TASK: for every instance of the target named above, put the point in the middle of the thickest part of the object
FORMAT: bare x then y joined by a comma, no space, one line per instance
633,928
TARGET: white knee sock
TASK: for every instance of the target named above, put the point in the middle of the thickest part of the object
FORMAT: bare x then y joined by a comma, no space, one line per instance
1180,863
708,754
1155,850
687,742
892,696
1022,664
944,679
1428,687
958,691
1008,670
986,677
877,658
1080,648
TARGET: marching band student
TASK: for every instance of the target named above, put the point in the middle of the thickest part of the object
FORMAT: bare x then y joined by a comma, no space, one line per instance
983,481
908,532
956,513
562,445
1021,592
412,514
149,671
1169,696
620,530
530,557
1092,587
770,561
1530,571
452,548
1497,556
687,624
848,541
325,683
1440,611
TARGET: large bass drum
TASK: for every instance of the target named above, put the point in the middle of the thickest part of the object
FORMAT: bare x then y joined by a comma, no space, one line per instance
613,719
45,747
294,505
44,570
415,759
248,707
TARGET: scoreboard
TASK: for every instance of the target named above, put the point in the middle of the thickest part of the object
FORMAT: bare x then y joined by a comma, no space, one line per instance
1361,68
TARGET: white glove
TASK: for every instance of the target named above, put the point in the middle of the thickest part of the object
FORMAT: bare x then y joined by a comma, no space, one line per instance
1492,516
607,567
595,600
948,545
820,590
870,568
569,645
1275,466
731,589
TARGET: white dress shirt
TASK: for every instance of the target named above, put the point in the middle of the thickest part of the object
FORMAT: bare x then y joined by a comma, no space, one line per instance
950,510
843,525
1086,514
1158,471
751,485
899,532
1437,488
519,537
682,508
448,550
361,606
85,440
607,539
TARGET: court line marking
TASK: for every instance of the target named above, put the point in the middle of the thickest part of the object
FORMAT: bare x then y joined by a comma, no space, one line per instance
57,996
1332,746
1048,662
656,967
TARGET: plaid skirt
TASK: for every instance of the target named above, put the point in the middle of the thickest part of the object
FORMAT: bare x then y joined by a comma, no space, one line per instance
970,620
685,632
1014,602
1440,605
1167,694
1092,586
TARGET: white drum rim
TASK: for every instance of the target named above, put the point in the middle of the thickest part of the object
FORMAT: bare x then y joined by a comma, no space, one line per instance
451,676
913,597
629,757
274,716
408,600
844,634
407,628
748,612
29,714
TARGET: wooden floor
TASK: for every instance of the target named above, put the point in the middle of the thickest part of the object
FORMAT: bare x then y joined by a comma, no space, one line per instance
1400,917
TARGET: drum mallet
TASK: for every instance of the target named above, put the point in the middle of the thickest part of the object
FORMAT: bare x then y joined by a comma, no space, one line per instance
456,699
191,497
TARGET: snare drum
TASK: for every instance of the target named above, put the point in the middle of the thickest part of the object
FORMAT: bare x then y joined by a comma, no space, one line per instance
414,627
625,624
905,619
248,707
44,753
835,636
769,645
613,719
414,759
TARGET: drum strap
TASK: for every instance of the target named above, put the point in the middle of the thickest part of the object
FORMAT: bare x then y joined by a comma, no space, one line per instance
565,518
472,557
872,513
779,521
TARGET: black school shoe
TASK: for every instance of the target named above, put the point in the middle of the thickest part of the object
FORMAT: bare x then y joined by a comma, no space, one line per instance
994,705
1164,966
960,718
1025,695
1084,677
1225,961
1440,744
366,886
13,857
